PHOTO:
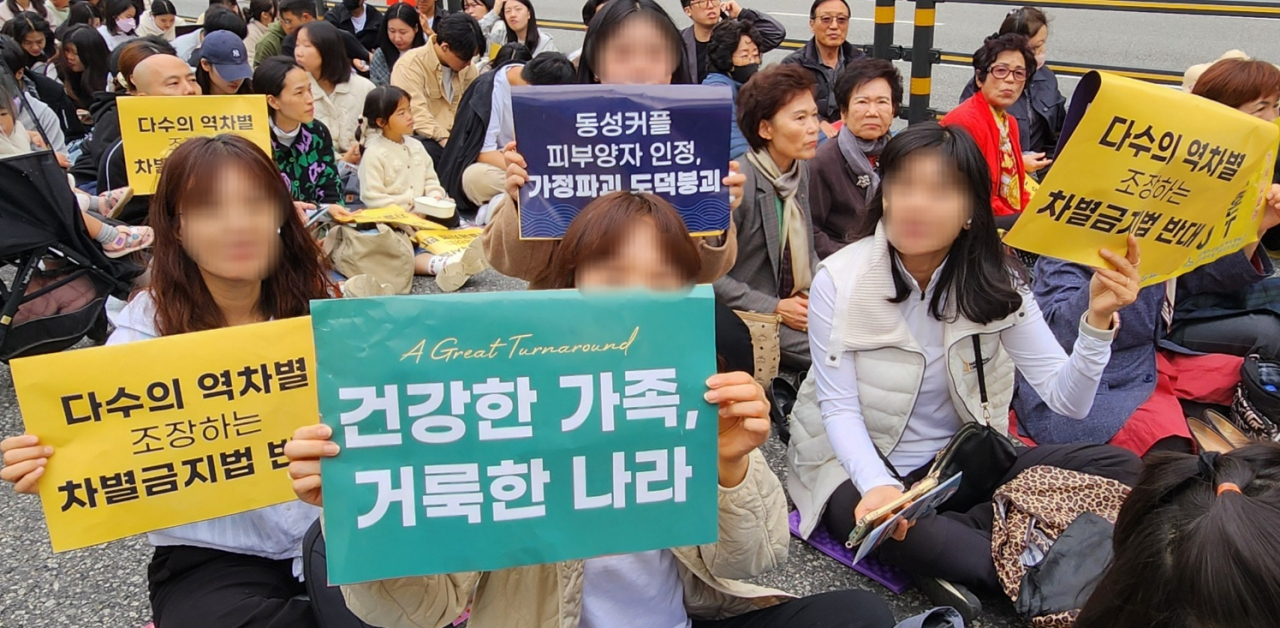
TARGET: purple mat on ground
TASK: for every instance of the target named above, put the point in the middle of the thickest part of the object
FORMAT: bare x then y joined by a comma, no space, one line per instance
892,578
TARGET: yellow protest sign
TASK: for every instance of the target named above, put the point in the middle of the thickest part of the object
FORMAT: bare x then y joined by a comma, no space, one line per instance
439,242
152,126
393,215
1186,176
154,434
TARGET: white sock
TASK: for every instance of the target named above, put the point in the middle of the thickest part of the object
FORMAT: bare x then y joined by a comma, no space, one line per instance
435,265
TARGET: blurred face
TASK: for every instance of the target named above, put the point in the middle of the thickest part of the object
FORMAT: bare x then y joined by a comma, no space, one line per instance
475,9
1003,91
830,24
6,122
704,12
33,44
164,22
218,84
295,101
1266,109
1039,45
73,58
291,23
869,111
400,122
746,53
638,264
307,55
792,133
232,234
925,205
60,4
637,54
517,16
400,34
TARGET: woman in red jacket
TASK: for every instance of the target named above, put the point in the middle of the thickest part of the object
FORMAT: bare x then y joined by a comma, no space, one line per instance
1003,68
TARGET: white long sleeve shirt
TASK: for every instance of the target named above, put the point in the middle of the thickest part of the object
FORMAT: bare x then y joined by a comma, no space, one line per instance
1068,384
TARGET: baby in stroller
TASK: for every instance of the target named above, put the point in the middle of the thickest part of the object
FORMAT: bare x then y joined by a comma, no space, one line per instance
116,240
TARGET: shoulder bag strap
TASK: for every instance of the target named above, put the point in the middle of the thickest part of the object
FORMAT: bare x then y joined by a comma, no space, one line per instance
982,379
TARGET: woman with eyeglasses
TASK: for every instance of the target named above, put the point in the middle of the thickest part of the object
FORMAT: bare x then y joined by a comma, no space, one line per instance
1002,68
1041,110
845,174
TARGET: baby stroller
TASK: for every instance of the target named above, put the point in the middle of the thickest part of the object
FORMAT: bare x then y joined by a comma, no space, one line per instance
60,277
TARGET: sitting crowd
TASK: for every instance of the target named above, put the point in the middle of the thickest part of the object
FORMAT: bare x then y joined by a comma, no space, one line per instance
901,317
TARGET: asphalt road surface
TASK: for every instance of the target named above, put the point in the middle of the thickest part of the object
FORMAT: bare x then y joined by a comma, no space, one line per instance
106,586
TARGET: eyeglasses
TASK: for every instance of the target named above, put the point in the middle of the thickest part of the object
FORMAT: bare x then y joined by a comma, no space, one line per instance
828,20
1003,71
706,4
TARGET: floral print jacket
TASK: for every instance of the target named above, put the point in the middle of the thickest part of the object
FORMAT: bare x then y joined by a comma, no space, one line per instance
308,165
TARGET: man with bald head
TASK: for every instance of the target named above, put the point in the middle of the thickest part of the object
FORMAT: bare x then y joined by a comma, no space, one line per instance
155,75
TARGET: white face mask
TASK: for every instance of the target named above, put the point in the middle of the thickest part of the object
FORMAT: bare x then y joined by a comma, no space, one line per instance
126,24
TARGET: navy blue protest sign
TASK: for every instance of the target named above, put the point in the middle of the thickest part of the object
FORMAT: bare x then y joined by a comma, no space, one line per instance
583,141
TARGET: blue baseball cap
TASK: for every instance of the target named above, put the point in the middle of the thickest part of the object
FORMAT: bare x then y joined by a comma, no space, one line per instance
227,54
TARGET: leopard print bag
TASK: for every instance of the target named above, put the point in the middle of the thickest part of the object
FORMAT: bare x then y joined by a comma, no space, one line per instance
1033,510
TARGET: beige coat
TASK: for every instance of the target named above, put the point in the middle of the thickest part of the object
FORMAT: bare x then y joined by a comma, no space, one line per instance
753,539
341,110
530,260
396,173
256,31
420,73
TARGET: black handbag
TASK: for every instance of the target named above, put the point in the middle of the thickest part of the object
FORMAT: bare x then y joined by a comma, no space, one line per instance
982,453
1256,407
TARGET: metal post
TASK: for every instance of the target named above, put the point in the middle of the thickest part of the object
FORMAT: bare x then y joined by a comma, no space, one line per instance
883,43
922,61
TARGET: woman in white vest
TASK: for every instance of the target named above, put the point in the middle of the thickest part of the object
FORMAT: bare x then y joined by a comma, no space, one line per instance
891,321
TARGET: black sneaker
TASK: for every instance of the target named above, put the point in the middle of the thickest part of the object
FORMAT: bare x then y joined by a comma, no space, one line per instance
943,593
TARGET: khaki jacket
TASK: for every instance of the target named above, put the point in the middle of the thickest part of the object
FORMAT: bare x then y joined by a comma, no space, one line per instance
420,73
753,539
530,260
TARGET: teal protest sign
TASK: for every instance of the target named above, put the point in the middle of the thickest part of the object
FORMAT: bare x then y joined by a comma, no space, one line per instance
485,431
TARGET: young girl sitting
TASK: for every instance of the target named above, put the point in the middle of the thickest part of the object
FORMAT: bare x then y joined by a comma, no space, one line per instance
116,241
396,170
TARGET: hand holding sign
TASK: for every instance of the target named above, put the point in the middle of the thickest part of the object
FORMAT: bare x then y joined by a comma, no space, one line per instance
308,445
24,462
1112,290
744,422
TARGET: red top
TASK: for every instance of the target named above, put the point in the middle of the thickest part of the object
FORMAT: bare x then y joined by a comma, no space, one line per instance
976,117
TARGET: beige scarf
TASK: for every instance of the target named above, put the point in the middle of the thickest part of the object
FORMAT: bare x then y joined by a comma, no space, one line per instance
793,222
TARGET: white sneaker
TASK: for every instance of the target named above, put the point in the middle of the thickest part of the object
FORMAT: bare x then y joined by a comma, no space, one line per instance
462,266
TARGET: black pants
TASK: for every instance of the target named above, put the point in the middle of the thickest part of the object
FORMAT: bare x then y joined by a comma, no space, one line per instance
1242,335
192,587
956,546
834,609
434,149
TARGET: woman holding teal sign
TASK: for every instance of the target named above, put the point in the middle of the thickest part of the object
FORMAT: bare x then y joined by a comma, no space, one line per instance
626,240
230,250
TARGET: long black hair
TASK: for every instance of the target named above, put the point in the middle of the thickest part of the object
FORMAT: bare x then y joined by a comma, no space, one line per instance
335,65
979,280
37,7
610,19
24,24
405,13
1196,545
93,54
531,36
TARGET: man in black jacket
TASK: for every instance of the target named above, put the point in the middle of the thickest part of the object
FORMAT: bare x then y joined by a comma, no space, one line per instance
472,169
826,55
354,17
705,15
